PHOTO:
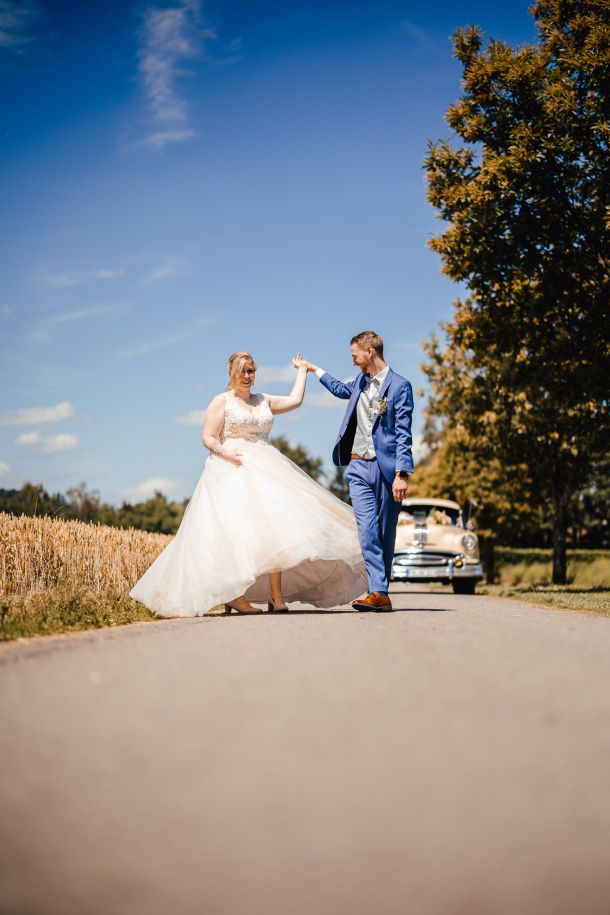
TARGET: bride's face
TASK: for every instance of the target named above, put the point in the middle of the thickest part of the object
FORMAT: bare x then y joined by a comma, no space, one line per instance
246,379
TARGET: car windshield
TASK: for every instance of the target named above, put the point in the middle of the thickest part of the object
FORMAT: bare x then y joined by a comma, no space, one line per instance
431,514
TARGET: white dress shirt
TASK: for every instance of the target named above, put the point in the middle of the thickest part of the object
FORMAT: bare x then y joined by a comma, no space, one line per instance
363,439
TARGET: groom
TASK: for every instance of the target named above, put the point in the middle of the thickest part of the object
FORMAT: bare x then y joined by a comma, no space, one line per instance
374,442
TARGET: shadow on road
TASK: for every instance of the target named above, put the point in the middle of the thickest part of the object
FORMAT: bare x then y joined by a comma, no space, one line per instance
331,611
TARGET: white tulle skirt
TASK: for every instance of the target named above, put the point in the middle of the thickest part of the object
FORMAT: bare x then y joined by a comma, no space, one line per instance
243,523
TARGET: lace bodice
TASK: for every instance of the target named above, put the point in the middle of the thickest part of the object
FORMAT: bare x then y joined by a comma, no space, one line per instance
252,423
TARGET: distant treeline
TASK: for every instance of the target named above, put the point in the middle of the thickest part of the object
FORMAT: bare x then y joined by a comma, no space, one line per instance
154,514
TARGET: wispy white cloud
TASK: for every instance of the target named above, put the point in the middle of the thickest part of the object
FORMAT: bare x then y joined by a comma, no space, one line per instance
80,313
28,438
62,442
169,37
194,418
147,488
167,268
415,32
150,346
42,331
33,415
17,21
66,280
49,444
325,400
4,468
266,374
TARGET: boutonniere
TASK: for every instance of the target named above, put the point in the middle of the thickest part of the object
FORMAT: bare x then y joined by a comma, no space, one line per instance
380,406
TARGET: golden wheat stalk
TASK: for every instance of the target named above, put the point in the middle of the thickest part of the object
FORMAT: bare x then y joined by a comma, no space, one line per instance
41,552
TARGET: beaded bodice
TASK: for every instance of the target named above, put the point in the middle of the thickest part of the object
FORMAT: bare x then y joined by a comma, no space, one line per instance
252,423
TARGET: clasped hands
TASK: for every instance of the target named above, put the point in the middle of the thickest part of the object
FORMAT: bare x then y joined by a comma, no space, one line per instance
300,363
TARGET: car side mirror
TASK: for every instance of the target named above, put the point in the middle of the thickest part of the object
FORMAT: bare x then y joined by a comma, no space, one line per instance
469,525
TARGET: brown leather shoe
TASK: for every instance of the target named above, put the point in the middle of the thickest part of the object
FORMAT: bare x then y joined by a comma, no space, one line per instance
375,601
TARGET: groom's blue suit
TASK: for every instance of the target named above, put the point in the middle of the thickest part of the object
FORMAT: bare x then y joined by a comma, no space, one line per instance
370,482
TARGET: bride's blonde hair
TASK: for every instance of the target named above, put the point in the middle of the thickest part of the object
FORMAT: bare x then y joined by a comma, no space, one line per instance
236,365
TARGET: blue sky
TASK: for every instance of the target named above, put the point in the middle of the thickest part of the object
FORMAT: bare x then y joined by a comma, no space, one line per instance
183,179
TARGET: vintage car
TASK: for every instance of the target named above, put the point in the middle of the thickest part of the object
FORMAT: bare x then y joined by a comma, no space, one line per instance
434,544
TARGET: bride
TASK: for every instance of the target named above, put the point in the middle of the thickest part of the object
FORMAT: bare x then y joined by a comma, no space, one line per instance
257,527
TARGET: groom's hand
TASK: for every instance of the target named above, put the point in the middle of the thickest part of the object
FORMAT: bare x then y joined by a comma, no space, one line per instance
399,489
308,365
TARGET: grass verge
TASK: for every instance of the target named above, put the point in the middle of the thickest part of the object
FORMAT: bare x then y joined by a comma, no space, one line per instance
66,609
561,597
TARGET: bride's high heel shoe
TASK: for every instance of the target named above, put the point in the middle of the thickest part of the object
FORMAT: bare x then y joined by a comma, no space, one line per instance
271,607
244,606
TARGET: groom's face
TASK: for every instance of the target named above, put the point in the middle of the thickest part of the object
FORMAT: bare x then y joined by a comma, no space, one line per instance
361,357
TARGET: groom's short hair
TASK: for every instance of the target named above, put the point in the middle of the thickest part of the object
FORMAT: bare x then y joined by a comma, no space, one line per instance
369,338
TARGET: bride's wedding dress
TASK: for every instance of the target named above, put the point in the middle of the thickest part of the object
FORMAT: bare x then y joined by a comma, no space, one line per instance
243,522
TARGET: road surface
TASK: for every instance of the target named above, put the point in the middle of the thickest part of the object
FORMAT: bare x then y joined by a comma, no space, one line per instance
451,758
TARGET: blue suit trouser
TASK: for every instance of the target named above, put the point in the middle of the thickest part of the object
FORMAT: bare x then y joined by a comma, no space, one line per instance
376,516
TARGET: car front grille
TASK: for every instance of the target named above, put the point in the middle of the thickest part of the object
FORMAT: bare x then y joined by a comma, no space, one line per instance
421,558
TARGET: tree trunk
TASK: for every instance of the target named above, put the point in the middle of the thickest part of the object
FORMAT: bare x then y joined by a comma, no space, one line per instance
561,496
488,558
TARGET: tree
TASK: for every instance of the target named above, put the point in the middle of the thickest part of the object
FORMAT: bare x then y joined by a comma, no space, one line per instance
339,486
497,496
84,504
154,514
523,375
589,507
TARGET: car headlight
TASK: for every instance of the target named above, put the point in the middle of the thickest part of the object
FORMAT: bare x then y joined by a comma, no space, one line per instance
469,542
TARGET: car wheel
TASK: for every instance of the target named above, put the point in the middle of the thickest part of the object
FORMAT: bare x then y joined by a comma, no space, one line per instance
463,586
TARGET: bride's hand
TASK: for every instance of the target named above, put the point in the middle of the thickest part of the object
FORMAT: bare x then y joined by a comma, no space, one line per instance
233,457
300,363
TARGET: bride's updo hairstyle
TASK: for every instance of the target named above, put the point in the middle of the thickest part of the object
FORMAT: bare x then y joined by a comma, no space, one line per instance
235,366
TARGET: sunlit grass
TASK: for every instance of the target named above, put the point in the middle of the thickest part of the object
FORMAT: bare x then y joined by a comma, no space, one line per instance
562,597
65,608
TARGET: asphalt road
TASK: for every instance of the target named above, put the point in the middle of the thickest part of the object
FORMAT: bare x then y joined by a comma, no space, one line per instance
452,758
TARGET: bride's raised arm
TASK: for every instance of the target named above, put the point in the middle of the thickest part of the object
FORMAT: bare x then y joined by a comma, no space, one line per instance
284,404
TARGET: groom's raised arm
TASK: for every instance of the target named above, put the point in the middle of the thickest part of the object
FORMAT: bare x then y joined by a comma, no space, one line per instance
340,389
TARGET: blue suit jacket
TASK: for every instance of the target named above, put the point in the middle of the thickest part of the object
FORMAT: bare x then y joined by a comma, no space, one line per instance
391,431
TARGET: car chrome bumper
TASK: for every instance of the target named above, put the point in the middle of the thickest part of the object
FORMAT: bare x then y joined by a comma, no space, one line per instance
442,573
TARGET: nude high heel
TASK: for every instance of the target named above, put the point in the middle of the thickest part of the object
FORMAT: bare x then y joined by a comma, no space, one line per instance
232,605
273,609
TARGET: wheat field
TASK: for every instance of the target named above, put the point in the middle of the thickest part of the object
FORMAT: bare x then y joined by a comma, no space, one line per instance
40,553
57,575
